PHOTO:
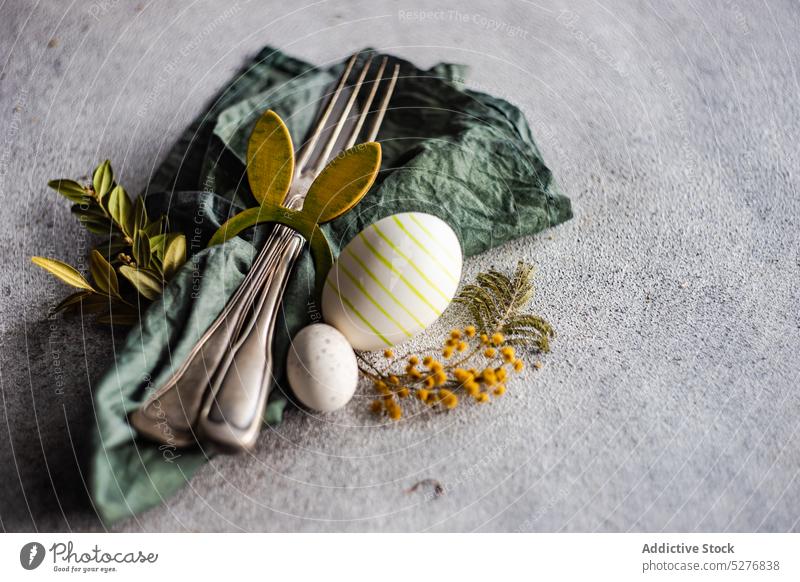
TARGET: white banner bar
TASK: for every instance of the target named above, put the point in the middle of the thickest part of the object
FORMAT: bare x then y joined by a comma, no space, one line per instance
400,557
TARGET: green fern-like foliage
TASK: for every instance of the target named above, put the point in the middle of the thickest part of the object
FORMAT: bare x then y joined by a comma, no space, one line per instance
497,302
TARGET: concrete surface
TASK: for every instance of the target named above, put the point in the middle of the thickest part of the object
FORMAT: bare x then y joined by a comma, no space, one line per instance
670,400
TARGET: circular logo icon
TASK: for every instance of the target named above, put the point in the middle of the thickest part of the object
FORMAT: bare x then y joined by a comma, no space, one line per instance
31,555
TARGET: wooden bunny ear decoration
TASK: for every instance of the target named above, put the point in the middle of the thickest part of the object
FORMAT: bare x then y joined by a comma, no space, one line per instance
270,173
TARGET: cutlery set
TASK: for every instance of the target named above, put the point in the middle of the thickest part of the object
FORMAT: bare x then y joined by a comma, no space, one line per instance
218,394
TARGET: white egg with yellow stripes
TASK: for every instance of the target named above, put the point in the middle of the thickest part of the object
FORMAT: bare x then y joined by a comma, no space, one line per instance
392,280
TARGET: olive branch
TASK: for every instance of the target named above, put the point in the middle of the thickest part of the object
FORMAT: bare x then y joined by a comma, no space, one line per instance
477,360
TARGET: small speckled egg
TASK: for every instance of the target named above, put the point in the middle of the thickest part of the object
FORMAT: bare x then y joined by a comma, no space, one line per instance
322,368
392,280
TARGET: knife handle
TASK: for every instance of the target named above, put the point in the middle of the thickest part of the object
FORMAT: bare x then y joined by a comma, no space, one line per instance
170,413
233,408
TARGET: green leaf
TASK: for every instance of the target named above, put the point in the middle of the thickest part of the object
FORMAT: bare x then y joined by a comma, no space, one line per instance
141,249
157,244
90,211
156,227
495,300
526,323
72,300
121,210
145,282
501,286
140,218
156,265
63,271
343,182
174,256
102,179
71,190
96,303
96,225
270,159
91,303
103,274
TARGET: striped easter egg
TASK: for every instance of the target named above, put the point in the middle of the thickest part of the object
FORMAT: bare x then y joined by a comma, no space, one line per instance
392,280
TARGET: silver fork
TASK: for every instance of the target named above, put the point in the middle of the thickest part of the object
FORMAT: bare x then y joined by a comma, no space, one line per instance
219,393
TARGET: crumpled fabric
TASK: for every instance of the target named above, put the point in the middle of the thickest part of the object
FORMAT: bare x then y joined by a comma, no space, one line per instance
464,156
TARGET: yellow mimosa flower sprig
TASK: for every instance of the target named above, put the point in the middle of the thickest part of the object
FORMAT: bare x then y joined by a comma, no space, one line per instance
474,362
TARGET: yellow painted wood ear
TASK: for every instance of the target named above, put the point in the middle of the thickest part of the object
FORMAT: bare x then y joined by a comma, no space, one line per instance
295,219
270,171
343,182
270,160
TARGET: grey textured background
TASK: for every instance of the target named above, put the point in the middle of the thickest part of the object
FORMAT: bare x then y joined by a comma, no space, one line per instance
670,400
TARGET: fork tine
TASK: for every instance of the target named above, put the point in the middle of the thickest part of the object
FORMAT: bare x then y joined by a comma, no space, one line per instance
323,157
308,148
367,104
376,124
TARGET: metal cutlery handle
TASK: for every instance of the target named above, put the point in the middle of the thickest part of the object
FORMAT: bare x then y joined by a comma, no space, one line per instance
174,407
232,411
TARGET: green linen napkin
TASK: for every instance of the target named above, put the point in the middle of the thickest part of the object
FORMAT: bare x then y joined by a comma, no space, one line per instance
464,156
